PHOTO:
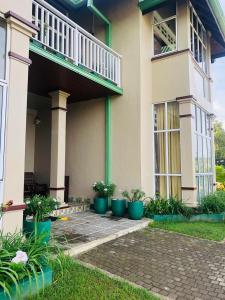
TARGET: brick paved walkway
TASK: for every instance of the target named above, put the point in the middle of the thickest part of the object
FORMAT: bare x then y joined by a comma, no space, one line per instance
169,264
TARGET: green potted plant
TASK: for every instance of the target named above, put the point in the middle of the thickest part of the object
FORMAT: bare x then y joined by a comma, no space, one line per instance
40,209
135,203
103,192
118,207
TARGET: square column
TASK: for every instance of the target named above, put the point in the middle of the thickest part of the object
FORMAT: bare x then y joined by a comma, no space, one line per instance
58,145
187,142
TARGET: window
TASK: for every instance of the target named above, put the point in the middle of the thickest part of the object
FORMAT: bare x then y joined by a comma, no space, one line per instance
165,29
198,40
203,153
167,150
2,49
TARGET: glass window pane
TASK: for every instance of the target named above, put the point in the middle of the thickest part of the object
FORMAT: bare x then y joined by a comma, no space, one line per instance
200,154
165,37
2,49
201,186
164,12
205,156
161,186
160,153
174,152
175,187
173,115
196,154
159,117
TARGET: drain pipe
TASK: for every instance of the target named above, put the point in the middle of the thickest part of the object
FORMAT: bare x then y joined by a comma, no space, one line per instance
108,108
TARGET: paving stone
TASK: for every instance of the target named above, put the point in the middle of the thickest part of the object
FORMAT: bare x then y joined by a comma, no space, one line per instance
166,263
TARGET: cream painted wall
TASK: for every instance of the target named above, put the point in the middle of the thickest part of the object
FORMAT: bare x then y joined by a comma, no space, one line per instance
30,140
43,147
22,8
85,146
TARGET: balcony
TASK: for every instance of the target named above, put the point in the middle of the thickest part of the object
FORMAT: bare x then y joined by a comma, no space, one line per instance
60,38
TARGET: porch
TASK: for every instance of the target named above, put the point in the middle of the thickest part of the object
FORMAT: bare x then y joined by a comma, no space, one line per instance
86,230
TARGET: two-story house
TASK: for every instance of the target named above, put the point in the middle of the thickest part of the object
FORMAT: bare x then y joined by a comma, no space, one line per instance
115,90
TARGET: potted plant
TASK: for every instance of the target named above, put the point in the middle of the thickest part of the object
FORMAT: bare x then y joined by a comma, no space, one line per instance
135,203
40,209
118,207
103,192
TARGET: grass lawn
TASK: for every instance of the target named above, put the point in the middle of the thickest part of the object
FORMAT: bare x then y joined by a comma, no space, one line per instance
79,282
205,230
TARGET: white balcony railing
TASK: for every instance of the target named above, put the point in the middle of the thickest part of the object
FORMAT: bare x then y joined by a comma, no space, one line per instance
64,36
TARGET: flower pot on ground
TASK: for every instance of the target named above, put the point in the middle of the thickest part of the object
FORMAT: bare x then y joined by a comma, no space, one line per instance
135,203
104,192
118,207
39,208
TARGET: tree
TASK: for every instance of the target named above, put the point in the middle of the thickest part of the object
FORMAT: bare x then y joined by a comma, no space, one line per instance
219,136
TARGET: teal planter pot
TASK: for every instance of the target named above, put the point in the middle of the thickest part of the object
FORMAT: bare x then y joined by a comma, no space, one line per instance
101,205
38,228
135,210
29,287
118,207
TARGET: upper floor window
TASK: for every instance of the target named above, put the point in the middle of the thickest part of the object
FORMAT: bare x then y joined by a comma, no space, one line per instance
165,29
198,39
2,49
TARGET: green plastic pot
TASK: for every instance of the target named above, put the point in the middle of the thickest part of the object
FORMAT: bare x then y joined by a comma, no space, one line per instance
38,228
135,210
101,205
118,207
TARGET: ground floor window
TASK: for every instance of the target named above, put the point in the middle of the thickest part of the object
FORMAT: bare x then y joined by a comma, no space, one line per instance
167,149
203,152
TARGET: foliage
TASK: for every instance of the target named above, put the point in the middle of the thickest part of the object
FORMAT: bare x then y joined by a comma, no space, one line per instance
220,186
205,230
134,195
219,136
213,203
163,206
220,174
40,207
82,283
32,256
103,189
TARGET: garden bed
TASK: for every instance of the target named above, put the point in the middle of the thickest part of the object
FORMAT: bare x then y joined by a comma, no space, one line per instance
28,286
193,218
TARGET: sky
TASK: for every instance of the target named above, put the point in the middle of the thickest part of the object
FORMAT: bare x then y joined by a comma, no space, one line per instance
218,75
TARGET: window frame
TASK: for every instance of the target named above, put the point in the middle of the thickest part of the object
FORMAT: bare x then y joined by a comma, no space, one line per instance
167,175
205,136
204,45
174,17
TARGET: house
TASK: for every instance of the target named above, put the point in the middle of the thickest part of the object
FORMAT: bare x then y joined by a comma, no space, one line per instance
118,90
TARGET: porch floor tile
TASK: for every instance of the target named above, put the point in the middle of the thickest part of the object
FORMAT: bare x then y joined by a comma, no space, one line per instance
84,229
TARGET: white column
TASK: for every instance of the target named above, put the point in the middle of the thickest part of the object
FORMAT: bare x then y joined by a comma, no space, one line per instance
187,142
58,144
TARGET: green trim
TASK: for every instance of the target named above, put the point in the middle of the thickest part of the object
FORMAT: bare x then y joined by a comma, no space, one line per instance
219,15
147,5
61,61
108,139
108,105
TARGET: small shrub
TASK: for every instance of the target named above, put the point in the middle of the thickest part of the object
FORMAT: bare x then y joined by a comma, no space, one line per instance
213,203
171,206
220,174
134,195
103,189
40,207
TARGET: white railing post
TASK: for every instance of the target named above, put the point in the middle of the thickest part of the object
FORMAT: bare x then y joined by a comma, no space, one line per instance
76,48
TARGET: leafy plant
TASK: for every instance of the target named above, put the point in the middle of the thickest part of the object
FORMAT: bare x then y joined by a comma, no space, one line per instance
134,195
4,207
104,190
40,207
21,258
164,206
220,174
213,203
